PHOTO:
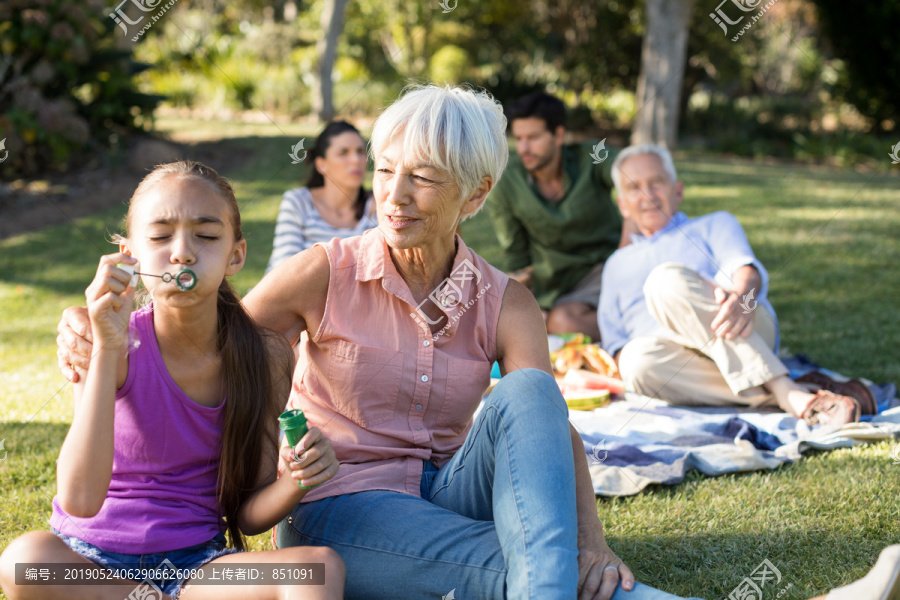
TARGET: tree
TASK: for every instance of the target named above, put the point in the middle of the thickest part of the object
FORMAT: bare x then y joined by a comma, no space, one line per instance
332,24
663,59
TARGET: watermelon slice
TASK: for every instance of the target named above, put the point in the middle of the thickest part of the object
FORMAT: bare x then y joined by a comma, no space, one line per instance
587,380
586,399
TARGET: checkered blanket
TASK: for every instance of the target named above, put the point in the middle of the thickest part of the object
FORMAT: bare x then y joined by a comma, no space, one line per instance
640,441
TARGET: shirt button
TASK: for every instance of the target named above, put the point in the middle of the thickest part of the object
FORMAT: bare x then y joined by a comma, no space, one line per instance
418,429
424,377
418,407
425,343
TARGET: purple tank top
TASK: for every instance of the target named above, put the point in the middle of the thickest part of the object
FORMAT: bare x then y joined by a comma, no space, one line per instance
166,456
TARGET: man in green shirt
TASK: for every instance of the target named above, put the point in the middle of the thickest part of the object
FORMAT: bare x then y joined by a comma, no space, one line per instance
554,215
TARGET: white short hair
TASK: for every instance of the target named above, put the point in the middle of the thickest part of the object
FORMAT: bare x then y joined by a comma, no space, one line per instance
631,151
457,129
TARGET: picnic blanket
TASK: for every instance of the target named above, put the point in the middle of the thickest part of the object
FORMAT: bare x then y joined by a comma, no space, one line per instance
639,441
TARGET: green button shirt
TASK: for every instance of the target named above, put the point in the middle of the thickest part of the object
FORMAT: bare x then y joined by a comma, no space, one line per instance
562,240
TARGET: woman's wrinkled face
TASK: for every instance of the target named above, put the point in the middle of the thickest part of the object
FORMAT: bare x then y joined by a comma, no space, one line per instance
417,202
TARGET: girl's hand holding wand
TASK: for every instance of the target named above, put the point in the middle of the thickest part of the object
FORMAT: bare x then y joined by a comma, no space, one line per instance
109,300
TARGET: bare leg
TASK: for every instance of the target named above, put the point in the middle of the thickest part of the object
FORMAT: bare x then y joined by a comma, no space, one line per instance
332,590
44,547
792,397
574,317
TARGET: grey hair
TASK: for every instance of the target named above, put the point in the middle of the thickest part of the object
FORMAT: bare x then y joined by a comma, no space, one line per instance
631,151
457,129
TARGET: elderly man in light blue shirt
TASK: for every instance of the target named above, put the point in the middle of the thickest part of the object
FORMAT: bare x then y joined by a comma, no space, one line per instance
684,307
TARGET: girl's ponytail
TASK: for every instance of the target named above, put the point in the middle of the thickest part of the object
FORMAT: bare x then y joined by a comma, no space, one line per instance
250,412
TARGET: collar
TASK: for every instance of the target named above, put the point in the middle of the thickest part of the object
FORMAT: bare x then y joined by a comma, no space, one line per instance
463,284
677,220
374,260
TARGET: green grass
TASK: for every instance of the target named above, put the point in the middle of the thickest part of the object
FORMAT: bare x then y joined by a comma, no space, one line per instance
829,241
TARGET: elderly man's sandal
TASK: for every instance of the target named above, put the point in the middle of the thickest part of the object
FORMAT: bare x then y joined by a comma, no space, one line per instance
853,388
830,409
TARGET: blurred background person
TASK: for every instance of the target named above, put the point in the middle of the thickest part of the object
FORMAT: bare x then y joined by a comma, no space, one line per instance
333,203
554,216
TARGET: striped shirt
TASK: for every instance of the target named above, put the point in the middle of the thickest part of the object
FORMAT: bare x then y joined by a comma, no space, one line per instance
300,226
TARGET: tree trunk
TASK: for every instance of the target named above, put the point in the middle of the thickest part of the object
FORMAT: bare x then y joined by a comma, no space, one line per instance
332,24
662,71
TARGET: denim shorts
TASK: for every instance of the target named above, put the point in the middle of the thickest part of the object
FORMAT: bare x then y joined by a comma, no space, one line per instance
185,559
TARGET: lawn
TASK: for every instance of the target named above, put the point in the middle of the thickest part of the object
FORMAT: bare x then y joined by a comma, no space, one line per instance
828,238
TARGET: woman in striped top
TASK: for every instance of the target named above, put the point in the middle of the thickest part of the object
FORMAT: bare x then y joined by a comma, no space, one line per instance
333,203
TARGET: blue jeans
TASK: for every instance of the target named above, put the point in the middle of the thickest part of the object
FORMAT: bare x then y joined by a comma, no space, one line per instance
497,521
186,559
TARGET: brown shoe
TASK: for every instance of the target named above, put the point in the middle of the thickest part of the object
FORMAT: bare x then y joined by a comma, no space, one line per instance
854,388
861,392
829,409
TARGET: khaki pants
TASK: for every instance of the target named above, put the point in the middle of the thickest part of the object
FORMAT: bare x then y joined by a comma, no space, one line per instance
691,365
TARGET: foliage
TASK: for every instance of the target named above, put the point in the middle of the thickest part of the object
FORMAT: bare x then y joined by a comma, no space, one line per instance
779,91
218,63
774,92
864,35
64,81
586,47
583,50
450,65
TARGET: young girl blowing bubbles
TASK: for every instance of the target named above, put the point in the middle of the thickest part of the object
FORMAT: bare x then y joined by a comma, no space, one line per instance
173,440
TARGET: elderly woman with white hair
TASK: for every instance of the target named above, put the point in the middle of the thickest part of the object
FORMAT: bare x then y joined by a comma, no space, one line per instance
404,323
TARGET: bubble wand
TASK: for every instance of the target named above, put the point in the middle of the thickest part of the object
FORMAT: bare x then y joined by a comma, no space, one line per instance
185,279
